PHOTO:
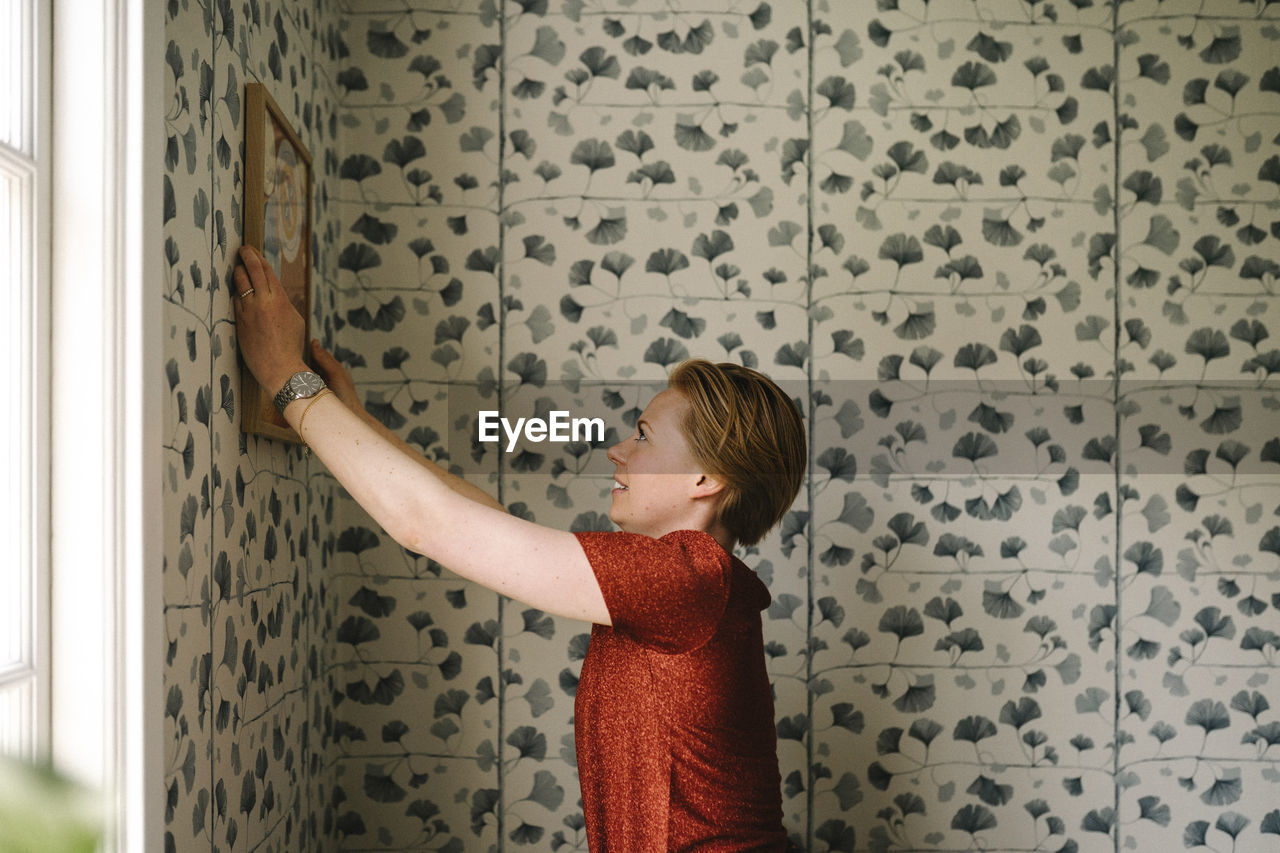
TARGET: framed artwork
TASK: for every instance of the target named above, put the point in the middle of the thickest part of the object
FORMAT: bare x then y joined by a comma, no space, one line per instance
277,221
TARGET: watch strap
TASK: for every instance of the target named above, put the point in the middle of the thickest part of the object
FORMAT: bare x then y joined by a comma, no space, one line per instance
297,388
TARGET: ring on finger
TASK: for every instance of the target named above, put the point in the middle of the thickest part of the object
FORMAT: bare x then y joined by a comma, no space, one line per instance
248,292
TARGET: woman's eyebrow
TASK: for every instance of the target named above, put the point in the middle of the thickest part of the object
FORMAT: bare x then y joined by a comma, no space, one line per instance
648,427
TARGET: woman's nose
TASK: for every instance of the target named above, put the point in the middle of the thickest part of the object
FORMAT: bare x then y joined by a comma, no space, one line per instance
614,454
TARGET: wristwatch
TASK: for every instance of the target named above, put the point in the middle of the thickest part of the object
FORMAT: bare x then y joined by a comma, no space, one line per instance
302,384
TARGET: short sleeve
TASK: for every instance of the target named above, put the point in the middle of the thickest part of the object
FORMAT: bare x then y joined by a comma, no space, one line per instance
669,593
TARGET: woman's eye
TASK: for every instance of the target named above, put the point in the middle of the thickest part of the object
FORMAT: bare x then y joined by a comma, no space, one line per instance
640,436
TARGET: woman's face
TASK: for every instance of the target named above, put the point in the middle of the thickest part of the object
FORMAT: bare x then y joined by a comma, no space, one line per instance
657,477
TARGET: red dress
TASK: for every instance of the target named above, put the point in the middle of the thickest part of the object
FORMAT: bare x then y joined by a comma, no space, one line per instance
674,723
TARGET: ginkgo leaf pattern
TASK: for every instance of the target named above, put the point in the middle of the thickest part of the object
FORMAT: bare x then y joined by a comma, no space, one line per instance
1017,262
243,742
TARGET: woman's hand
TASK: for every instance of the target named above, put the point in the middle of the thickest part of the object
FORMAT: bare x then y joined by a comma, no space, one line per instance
336,376
270,330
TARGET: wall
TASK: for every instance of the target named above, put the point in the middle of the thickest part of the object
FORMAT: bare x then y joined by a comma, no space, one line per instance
1018,604
421,712
243,515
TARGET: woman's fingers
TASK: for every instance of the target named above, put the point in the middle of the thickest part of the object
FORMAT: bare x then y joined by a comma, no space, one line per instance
261,277
242,282
336,376
325,358
325,362
268,328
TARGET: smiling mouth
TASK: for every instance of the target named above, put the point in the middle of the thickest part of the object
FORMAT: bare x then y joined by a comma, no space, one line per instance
618,487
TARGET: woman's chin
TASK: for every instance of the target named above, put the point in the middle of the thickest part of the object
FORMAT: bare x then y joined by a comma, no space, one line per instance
620,520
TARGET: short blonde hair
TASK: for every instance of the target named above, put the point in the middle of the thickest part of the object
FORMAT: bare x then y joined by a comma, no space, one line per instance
747,433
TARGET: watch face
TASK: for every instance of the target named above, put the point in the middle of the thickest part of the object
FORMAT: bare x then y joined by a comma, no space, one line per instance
306,384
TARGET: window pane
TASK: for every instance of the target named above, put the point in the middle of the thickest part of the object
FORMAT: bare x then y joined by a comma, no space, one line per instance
23,672
16,42
10,473
17,515
18,718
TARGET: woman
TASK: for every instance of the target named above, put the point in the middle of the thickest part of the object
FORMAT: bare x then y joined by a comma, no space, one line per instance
674,712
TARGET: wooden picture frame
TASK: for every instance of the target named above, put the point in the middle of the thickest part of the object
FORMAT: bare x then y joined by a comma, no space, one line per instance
277,221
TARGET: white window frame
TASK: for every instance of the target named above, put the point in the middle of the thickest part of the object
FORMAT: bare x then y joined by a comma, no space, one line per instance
26,156
106,409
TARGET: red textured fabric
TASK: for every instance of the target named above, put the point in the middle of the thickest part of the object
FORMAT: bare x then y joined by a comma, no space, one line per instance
674,713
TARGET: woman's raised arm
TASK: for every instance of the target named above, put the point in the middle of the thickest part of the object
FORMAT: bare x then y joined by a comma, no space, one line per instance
416,505
338,378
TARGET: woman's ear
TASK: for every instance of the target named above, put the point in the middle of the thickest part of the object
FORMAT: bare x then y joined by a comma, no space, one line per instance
707,486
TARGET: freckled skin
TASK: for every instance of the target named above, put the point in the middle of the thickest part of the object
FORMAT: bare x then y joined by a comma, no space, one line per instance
661,476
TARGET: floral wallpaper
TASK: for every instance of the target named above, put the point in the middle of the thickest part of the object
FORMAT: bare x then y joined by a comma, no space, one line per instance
244,516
1015,260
